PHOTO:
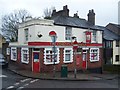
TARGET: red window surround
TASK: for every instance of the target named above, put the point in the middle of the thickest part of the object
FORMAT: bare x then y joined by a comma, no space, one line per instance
88,37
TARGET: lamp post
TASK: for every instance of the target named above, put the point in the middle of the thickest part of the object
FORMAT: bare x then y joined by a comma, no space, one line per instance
75,46
53,36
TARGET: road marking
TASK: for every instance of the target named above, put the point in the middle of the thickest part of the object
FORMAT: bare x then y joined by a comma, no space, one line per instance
24,80
10,87
16,84
26,85
3,76
34,80
19,88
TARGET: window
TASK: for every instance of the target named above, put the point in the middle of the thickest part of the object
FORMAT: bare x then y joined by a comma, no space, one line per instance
49,56
94,39
8,51
68,33
68,55
94,54
88,37
117,58
109,44
13,53
25,55
26,34
117,43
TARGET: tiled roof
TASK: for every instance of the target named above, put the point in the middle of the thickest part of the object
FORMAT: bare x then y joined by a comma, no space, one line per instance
73,22
109,35
82,23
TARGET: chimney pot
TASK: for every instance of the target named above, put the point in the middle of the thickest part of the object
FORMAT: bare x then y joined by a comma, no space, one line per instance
91,17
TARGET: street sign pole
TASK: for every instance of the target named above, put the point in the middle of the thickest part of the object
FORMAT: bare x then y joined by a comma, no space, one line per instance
53,36
75,46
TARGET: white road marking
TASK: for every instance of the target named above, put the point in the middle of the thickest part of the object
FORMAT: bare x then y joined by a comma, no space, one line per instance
26,85
19,88
10,87
16,84
34,80
22,81
25,80
3,76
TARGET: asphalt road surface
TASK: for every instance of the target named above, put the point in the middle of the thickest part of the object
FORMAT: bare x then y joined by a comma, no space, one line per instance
11,80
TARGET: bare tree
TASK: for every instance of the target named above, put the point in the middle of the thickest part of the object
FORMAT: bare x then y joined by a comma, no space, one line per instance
10,24
48,12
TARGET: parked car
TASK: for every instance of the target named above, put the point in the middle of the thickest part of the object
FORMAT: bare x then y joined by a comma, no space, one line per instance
3,61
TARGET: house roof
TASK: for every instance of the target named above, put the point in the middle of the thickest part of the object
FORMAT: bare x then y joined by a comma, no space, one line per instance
82,23
73,22
109,35
116,25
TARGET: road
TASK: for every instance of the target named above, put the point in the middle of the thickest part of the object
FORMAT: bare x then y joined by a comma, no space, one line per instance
12,80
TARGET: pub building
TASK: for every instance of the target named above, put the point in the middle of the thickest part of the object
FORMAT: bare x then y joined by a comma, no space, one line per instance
34,49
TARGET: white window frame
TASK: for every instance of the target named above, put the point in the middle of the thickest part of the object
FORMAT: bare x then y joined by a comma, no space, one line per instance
71,55
13,50
26,32
45,56
8,51
94,36
22,55
92,52
68,33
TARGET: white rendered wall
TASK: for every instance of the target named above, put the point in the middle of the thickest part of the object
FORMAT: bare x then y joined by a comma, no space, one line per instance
36,27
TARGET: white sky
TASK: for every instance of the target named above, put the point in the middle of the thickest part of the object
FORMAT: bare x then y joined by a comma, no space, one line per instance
106,10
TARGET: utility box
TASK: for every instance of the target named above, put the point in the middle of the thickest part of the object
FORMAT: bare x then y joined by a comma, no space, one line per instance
64,71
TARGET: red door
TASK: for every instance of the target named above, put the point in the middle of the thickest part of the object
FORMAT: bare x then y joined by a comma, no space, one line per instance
84,61
36,62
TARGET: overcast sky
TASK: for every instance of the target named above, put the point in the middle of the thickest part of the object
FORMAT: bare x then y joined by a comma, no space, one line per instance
106,10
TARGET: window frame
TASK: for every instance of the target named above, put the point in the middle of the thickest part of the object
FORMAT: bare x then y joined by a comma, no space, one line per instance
15,51
94,36
45,58
117,43
22,55
71,55
26,32
68,33
91,60
117,58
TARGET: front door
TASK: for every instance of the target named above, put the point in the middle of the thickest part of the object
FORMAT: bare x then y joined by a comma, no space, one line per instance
84,58
36,62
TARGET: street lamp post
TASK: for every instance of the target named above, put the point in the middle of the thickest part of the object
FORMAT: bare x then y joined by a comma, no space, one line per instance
53,36
75,46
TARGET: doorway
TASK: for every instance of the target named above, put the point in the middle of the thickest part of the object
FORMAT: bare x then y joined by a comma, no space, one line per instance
36,62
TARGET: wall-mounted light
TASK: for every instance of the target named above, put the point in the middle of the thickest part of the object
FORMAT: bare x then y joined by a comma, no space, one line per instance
39,35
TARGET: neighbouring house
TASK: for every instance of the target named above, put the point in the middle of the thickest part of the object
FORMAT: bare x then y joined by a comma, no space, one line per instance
34,49
118,12
2,40
112,44
4,46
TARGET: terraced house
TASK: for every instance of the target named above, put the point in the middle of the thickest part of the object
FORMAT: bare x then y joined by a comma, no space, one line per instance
34,49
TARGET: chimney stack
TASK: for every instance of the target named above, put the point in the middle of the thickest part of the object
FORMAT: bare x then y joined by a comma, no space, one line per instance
76,15
65,10
91,17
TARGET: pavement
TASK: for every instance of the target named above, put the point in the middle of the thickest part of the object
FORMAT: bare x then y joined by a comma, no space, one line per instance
81,76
